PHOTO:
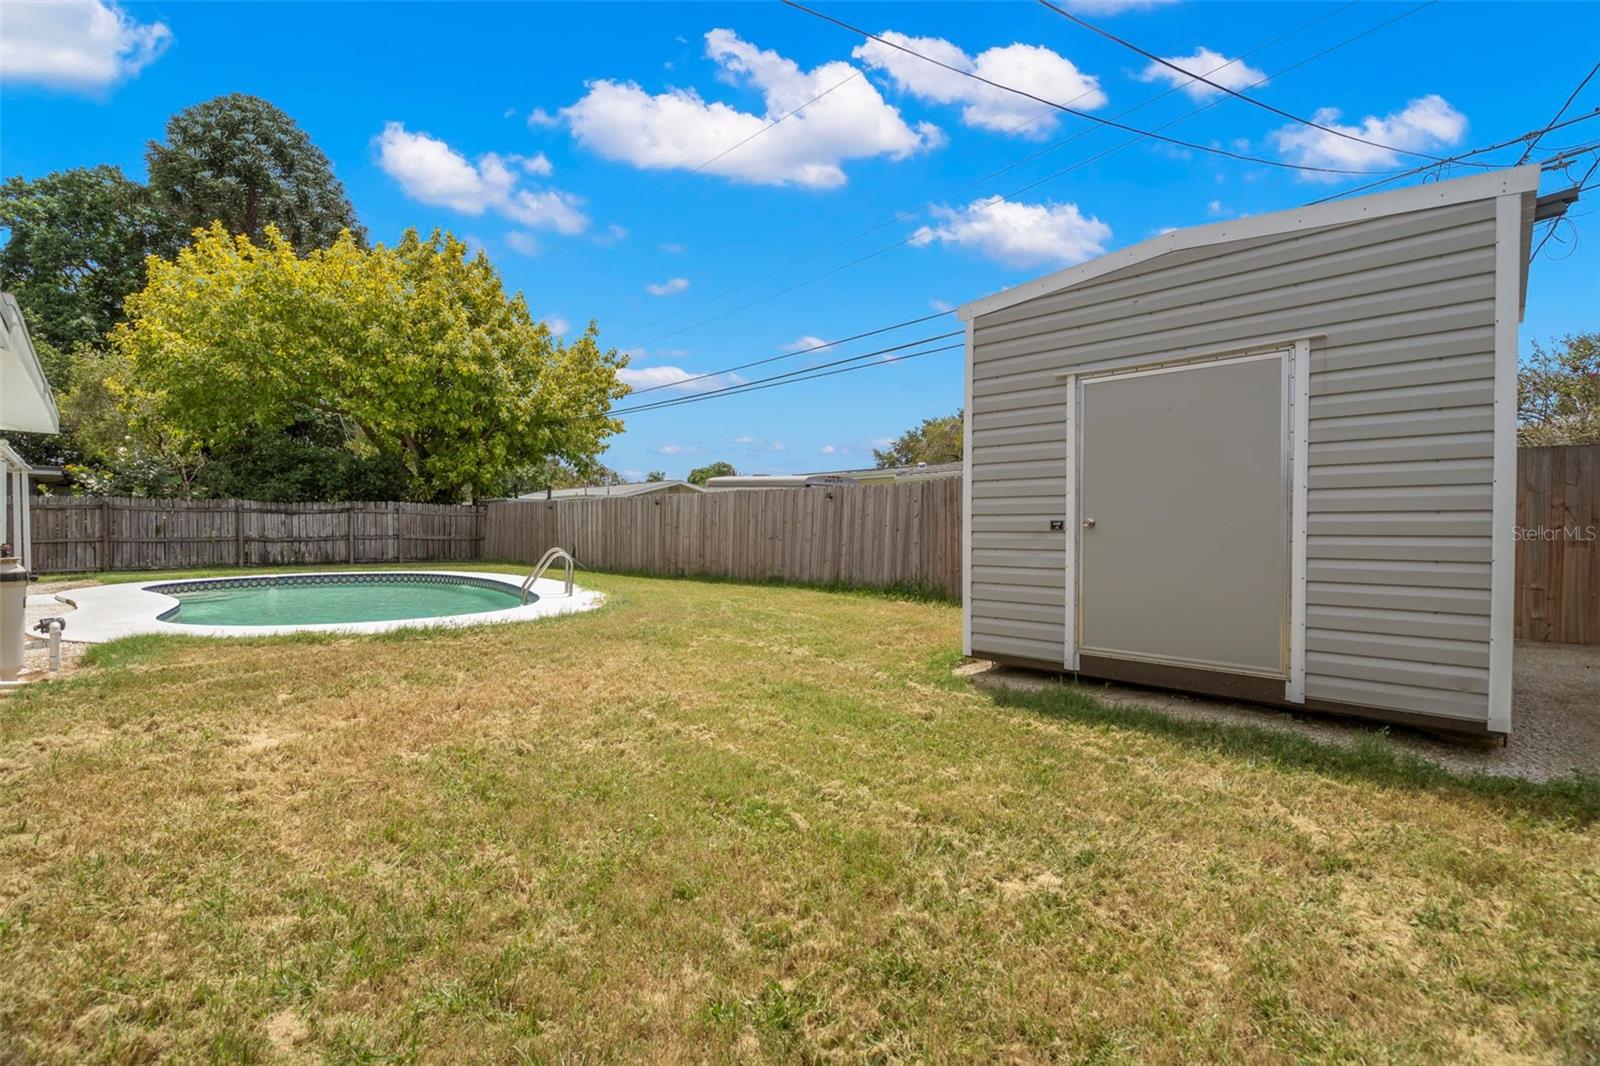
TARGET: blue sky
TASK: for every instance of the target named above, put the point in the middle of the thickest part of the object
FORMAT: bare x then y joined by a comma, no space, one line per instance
576,144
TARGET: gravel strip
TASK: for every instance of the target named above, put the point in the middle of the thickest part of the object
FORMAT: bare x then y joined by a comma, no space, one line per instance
1555,714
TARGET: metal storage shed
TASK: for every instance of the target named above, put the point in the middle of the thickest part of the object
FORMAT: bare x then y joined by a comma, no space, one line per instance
1271,458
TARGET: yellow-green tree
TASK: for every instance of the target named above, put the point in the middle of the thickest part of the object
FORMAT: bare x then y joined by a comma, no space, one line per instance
416,348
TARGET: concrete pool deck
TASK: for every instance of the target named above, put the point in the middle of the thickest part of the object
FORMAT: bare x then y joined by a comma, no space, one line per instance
111,612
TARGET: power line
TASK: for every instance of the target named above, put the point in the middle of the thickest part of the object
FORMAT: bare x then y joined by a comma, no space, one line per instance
796,352
1206,107
1508,142
901,216
1108,35
1113,123
853,76
791,378
1570,97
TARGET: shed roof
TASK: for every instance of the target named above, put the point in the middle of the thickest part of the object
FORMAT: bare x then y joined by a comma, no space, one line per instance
26,403
1514,180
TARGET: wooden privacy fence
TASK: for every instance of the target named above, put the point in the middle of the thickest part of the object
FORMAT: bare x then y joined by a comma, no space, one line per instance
1558,544
72,533
902,534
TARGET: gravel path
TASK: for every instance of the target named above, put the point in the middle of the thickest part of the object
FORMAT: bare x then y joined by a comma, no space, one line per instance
1555,714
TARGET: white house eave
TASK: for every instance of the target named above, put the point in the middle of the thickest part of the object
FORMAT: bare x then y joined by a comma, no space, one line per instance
26,403
1513,180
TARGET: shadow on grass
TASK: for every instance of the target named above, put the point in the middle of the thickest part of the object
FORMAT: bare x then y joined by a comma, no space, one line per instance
1573,799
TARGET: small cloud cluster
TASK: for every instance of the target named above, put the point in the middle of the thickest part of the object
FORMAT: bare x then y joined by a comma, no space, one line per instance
432,172
674,379
1424,124
670,287
1047,74
1019,234
83,46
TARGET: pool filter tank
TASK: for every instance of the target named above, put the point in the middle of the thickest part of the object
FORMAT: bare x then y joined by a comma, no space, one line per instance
13,609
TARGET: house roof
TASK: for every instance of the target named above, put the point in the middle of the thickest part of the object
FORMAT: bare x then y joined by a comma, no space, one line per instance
637,488
899,473
26,403
1523,180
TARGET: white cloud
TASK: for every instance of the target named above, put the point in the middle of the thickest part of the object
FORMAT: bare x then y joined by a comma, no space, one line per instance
759,444
1112,7
1428,122
82,45
613,235
674,378
834,449
668,287
808,342
692,448
523,243
538,165
539,118
558,325
431,171
1040,71
941,305
678,129
1019,234
1216,209
1213,66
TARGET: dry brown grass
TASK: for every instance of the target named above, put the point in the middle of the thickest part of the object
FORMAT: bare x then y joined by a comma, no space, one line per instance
726,822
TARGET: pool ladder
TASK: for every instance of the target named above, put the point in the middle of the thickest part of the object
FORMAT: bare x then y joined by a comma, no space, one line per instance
549,559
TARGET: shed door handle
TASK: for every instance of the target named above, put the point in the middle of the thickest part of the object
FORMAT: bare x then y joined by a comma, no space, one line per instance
1088,523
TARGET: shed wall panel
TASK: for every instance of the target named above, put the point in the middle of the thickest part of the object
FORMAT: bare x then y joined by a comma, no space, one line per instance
1400,442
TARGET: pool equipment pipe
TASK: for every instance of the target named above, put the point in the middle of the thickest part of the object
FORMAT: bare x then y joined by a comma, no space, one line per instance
13,609
52,628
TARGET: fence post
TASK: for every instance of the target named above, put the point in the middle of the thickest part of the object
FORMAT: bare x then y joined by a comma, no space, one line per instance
350,532
238,532
105,534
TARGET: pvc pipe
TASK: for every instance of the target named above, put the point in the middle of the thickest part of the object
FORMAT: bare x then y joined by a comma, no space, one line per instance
55,645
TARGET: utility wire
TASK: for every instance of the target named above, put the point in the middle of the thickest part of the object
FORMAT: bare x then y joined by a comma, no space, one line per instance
796,352
791,378
1570,97
996,173
1108,35
853,76
1508,142
1113,123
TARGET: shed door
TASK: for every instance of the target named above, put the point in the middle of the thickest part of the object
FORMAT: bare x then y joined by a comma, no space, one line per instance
1184,508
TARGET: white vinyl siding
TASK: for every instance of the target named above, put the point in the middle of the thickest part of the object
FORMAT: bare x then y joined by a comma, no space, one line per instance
1401,439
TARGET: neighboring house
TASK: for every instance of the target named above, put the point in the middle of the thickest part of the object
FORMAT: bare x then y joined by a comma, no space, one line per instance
629,491
1272,458
880,475
26,406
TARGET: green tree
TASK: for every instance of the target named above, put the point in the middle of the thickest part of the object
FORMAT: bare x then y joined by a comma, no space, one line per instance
76,244
702,474
937,440
656,475
238,160
1558,393
416,349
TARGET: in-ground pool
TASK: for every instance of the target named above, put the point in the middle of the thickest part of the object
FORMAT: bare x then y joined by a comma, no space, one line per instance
321,599
328,601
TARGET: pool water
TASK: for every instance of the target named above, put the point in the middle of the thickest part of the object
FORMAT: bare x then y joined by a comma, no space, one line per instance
284,604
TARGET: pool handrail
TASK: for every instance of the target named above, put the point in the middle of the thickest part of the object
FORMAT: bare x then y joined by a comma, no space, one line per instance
545,562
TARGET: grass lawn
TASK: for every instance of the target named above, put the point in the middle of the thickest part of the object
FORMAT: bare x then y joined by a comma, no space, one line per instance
734,822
